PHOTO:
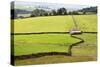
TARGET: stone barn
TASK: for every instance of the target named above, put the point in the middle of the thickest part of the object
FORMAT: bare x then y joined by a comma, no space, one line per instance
75,31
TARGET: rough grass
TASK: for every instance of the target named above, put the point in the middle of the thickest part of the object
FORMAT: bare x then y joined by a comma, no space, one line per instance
87,23
88,48
90,39
80,54
54,59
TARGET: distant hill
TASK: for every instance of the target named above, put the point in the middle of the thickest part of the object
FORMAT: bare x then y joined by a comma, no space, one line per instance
20,11
15,12
89,9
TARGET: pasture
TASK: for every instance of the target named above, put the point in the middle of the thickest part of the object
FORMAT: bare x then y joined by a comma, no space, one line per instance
86,23
81,53
28,44
38,43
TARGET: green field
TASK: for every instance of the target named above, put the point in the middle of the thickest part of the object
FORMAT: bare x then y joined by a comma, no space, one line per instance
42,43
37,43
55,24
82,52
87,23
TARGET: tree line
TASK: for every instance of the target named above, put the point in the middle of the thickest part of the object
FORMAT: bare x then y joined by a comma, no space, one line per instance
41,12
60,11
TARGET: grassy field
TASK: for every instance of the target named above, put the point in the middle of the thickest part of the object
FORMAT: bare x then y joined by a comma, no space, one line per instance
88,48
42,43
81,53
55,24
87,23
36,43
43,24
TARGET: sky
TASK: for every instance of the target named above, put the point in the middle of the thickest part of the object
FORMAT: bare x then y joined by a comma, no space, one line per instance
44,5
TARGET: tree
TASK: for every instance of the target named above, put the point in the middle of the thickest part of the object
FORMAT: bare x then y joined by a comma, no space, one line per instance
74,13
84,12
70,13
92,10
62,11
38,12
59,12
54,12
32,15
45,14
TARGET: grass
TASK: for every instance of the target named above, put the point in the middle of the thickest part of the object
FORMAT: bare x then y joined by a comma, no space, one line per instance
43,24
85,51
80,53
87,23
88,48
28,44
90,39
48,42
54,59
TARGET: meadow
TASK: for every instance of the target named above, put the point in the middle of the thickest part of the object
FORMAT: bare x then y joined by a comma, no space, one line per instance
80,53
28,44
55,24
37,43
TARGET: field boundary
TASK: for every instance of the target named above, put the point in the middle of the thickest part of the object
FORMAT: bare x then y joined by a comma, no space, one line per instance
69,53
48,33
37,55
21,57
74,44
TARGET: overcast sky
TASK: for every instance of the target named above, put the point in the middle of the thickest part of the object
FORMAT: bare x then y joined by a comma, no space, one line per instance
23,4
